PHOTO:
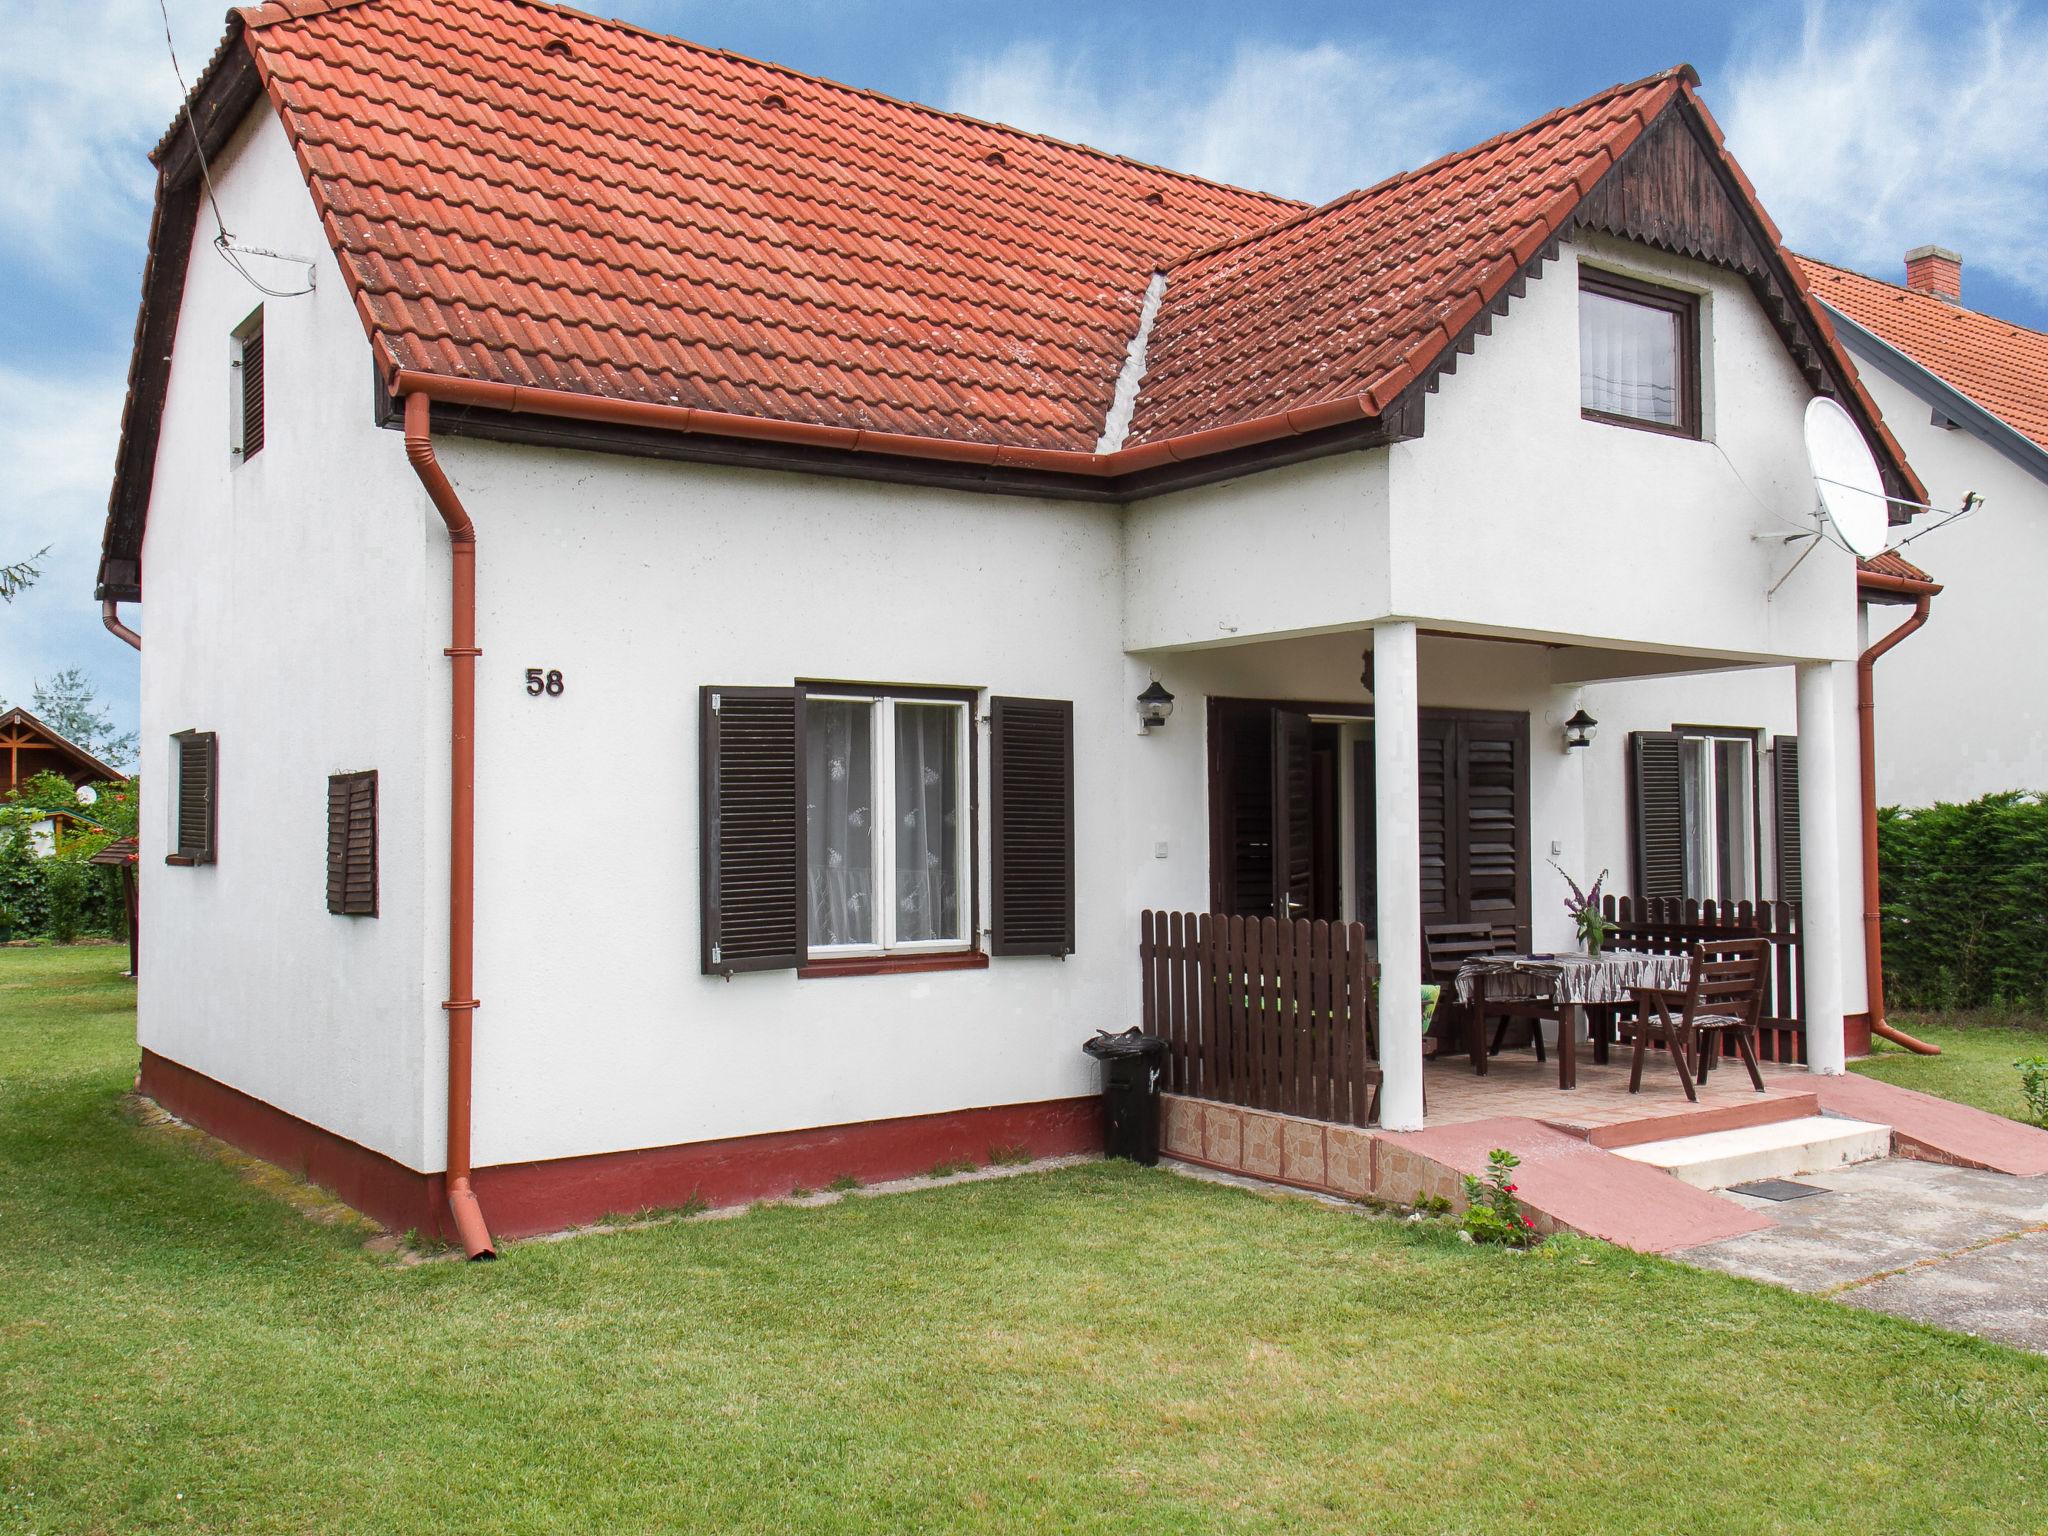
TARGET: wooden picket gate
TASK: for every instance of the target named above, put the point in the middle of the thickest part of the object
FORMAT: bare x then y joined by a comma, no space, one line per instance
1665,925
1273,1014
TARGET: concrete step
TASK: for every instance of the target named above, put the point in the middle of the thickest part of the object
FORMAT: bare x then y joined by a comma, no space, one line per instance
1783,1149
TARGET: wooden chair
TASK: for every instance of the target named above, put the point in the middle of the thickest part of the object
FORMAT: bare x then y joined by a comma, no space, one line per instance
1447,947
1722,1001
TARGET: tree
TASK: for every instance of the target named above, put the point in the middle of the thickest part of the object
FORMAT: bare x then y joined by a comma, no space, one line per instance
69,705
17,578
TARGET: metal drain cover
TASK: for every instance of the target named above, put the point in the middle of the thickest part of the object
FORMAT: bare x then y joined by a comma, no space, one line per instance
1777,1189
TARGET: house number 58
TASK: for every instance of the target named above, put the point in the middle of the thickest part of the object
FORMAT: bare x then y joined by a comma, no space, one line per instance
539,682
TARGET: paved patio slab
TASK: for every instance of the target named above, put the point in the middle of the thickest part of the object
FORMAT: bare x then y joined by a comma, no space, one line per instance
1963,1248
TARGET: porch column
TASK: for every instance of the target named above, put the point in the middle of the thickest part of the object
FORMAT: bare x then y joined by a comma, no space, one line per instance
1396,750
1820,864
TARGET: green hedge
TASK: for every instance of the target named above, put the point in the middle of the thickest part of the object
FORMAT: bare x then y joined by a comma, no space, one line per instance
1966,903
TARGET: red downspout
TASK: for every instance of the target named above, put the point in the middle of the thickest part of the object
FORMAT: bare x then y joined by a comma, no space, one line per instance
462,654
1866,749
110,615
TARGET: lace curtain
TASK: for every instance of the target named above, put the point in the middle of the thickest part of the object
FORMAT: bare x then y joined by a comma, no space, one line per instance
923,822
1628,359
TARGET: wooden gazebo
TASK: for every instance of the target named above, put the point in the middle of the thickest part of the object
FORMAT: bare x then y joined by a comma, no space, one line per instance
121,855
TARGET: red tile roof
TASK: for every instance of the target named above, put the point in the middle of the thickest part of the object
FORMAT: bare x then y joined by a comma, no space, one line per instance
530,195
539,210
1352,298
2001,366
1895,566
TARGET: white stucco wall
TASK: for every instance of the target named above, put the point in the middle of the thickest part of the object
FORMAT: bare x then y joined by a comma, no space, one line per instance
284,609
1515,514
1961,710
641,581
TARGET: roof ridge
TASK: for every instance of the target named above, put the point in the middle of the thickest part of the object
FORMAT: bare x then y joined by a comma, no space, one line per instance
1958,307
610,23
1440,163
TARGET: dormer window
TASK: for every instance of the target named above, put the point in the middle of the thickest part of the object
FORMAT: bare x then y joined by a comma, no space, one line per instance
245,388
1639,355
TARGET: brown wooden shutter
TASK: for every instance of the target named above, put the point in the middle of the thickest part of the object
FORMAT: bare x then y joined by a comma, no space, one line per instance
1657,805
198,772
352,844
1031,780
1436,814
754,886
1785,811
252,390
1493,821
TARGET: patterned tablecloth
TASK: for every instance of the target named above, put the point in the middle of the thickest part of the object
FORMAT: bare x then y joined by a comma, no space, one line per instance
1570,980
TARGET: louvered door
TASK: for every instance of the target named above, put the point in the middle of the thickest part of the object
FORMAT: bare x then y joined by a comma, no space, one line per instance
755,895
1294,818
1493,818
1031,834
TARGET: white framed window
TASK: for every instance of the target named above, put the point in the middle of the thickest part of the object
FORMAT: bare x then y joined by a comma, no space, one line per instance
1717,787
888,789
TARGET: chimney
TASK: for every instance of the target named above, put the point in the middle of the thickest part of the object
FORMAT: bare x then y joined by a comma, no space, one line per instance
1936,270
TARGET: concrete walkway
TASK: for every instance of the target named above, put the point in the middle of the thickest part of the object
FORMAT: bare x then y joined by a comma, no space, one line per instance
1962,1248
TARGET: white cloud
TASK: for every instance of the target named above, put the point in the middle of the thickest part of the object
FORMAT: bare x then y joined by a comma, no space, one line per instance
87,87
1884,128
1306,122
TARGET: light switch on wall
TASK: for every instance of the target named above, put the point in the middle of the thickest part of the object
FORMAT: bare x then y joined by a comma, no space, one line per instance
1556,847
1159,850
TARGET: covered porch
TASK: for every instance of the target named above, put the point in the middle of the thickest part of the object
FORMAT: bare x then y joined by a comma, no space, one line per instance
1434,785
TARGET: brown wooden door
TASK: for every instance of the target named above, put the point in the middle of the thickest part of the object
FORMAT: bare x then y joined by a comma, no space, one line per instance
1294,815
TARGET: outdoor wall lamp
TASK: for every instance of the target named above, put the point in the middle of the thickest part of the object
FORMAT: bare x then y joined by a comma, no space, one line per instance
1154,705
1578,731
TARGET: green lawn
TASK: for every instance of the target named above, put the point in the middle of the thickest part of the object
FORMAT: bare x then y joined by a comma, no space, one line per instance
1976,1061
1099,1349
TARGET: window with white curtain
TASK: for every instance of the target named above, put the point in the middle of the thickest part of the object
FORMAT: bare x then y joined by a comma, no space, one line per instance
887,820
1717,779
1638,353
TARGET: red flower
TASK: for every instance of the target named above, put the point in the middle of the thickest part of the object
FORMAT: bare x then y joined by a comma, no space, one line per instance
1513,1187
1529,1224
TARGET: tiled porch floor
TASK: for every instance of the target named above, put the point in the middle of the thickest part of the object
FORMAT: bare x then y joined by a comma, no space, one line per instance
1516,1085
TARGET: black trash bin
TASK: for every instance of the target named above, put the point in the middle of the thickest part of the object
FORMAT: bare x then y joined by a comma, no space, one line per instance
1131,1064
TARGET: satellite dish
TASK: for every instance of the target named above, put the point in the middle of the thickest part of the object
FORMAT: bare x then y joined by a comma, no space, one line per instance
1846,476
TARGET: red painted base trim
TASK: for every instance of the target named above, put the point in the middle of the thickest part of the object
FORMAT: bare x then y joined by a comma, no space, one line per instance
524,1199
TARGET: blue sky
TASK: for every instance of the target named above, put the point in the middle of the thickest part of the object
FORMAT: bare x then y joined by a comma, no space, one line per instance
1867,129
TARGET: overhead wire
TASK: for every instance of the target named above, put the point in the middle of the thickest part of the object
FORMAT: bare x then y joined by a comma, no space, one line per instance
223,242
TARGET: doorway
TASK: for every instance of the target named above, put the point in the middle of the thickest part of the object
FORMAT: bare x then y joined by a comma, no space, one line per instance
1291,795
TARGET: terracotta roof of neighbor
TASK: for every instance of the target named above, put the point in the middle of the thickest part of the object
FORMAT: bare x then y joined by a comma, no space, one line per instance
1350,298
2001,366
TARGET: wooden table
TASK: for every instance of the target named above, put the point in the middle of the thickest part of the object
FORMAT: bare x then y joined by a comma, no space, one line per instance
1570,984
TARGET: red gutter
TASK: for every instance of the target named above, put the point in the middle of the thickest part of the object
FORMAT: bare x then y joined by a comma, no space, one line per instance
1067,461
1922,593
462,653
110,615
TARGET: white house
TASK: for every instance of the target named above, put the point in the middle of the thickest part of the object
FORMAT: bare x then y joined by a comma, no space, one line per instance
803,486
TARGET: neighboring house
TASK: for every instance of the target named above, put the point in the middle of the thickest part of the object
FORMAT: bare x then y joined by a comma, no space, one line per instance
29,747
818,481
1966,394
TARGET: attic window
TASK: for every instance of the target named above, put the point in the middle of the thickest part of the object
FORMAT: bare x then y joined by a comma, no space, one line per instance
1156,199
559,49
994,157
774,101
245,388
1639,355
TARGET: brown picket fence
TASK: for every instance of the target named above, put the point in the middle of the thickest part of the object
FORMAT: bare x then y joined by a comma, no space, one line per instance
1665,925
1273,1014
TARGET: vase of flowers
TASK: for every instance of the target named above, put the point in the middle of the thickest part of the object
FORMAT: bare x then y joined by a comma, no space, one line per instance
1584,907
